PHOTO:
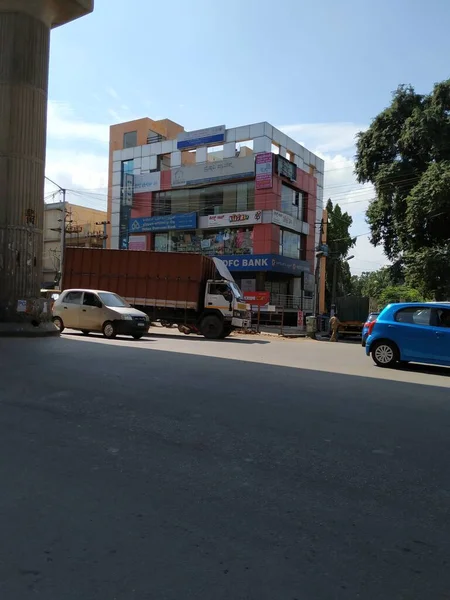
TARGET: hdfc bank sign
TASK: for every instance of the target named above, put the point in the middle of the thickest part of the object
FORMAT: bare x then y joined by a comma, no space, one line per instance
251,217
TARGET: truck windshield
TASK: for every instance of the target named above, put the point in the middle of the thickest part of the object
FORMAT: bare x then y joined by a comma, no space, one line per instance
236,291
113,300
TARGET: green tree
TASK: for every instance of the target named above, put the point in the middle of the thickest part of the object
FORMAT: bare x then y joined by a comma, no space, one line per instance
405,154
339,243
372,283
399,293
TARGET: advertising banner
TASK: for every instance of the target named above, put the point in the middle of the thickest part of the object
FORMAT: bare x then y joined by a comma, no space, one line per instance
137,242
237,219
257,298
128,188
263,171
300,319
164,223
147,182
211,172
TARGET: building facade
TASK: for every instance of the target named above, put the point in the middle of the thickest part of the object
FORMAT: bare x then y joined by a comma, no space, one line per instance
81,230
250,195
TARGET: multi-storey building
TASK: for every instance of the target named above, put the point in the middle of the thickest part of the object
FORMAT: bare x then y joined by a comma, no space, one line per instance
81,229
251,195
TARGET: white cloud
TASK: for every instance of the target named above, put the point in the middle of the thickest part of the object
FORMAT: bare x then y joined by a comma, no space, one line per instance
112,92
335,144
62,123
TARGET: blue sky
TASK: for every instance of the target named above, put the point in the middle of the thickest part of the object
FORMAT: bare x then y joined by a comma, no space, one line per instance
321,72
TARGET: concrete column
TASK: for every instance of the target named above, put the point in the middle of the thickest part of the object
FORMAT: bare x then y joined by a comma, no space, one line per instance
24,63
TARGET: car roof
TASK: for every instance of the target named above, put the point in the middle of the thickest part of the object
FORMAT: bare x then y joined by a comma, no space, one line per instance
445,304
89,290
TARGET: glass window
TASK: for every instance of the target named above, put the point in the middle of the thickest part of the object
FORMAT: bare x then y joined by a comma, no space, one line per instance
210,200
73,297
127,166
130,139
110,299
292,201
414,315
441,317
290,244
90,299
213,242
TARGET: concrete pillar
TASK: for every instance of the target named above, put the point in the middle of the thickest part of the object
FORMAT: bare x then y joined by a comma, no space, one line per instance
24,63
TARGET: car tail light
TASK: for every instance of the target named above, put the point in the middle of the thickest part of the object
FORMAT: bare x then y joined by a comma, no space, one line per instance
370,327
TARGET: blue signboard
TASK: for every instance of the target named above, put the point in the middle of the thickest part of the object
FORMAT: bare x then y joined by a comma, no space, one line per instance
201,137
265,262
166,223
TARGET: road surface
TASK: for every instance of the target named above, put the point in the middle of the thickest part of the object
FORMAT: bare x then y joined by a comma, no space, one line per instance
175,468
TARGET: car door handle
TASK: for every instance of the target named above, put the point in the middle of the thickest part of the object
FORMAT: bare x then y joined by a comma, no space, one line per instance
209,303
391,326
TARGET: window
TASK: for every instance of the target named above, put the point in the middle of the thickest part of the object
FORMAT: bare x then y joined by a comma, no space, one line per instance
73,297
414,315
130,139
210,200
441,317
291,201
290,244
91,299
113,300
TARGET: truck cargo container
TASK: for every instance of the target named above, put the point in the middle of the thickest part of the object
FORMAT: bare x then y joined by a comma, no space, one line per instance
195,292
352,312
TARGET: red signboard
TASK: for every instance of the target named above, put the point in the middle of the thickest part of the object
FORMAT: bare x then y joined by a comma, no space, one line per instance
257,298
300,318
263,170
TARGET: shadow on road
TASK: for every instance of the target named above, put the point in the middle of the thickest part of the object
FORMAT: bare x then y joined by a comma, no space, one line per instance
172,336
131,473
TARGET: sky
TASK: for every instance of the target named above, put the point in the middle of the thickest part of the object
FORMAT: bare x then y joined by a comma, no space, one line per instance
319,71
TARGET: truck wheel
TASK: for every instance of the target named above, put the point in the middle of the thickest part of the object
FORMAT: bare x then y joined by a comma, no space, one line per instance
226,332
212,327
109,330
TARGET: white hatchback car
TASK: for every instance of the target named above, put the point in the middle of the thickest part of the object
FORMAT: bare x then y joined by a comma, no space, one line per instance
96,310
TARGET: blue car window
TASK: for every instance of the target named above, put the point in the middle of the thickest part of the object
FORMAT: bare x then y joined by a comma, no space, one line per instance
414,315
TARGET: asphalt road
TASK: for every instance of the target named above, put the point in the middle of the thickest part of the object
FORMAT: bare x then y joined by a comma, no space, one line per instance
177,468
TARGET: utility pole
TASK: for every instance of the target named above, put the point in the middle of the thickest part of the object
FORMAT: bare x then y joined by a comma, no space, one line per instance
63,227
105,235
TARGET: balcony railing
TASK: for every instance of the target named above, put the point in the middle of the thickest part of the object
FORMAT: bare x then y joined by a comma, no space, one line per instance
289,302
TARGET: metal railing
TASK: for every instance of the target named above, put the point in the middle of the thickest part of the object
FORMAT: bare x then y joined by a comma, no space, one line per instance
288,301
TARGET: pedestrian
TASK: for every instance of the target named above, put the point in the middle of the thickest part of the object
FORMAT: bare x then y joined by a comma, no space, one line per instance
334,326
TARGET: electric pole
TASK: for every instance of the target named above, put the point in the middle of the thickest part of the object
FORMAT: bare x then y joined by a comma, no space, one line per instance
105,235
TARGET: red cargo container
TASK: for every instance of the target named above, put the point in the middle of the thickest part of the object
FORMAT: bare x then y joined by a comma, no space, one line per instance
167,286
160,279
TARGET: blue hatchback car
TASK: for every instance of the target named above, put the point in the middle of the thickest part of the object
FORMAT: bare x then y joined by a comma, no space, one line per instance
410,332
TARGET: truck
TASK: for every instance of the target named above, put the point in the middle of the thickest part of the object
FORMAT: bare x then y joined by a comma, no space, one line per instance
196,293
352,312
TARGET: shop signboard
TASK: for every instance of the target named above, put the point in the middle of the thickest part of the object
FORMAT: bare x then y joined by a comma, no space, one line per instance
137,242
200,137
237,219
265,262
257,298
300,318
286,168
184,221
212,172
263,170
147,182
127,193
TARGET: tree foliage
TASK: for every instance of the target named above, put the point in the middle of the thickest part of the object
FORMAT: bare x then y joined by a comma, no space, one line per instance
405,154
339,243
399,293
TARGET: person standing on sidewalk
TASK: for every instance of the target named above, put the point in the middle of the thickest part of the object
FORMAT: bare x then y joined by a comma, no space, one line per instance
334,326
